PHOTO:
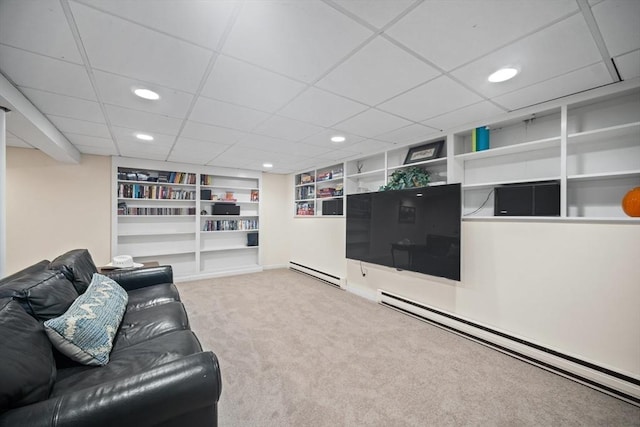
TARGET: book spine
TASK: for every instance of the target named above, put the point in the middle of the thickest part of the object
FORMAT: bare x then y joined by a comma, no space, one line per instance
474,140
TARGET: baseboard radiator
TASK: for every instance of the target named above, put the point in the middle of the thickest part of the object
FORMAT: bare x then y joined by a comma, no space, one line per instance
327,278
606,380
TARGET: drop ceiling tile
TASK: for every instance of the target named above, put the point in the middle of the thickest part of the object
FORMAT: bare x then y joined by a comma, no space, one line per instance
44,73
285,128
14,141
118,90
282,147
239,155
127,138
629,65
54,103
567,84
98,151
244,84
377,13
371,123
377,72
200,22
564,47
370,146
195,151
300,39
436,97
451,33
619,24
321,108
145,153
90,141
323,139
194,130
409,134
82,127
210,111
140,121
137,52
472,113
38,26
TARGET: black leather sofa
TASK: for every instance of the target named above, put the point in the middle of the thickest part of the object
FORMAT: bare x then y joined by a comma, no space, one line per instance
157,374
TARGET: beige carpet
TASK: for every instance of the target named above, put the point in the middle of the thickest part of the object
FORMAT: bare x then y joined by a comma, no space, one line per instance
297,352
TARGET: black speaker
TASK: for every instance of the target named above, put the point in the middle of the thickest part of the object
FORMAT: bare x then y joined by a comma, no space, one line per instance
225,209
332,207
528,199
252,239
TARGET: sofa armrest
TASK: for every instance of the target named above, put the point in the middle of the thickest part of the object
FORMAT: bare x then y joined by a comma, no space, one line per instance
148,398
142,277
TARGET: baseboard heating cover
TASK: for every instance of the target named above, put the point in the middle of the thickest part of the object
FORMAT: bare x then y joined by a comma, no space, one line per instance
317,274
614,383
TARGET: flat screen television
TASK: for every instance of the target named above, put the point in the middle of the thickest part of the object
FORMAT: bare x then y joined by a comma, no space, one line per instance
416,229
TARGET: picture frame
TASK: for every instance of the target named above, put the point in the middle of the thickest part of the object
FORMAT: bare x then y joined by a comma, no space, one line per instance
424,152
407,214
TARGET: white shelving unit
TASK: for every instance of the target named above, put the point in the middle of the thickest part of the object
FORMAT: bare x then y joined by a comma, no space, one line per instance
588,142
312,188
180,238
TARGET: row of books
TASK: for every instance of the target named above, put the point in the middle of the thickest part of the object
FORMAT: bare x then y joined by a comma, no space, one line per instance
304,209
304,193
230,225
141,191
157,176
156,211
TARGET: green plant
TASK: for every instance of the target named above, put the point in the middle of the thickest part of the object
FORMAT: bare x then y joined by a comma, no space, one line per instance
407,178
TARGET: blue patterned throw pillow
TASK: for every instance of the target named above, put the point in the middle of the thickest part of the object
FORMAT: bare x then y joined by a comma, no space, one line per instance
85,332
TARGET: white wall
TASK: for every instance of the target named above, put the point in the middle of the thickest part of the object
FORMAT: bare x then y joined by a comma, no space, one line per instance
316,242
54,207
572,287
274,233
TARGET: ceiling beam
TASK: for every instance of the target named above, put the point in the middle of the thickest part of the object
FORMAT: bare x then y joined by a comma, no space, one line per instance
28,123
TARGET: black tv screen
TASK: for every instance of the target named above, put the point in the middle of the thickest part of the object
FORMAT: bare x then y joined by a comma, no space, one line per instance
416,229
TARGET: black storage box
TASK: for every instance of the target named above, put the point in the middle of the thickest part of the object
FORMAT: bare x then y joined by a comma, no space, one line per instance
332,207
252,239
225,209
528,199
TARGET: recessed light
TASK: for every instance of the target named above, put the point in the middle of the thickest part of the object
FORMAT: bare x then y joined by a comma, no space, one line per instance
146,94
144,137
267,165
503,75
338,138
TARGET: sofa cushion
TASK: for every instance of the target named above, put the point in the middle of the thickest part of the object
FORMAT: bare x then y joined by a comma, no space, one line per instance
85,332
44,294
27,369
38,266
152,295
148,323
129,361
78,266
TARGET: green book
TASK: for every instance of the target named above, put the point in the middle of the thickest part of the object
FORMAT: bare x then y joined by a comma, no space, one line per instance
474,140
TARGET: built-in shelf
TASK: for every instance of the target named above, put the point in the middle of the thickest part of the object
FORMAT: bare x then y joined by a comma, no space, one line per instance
178,239
512,149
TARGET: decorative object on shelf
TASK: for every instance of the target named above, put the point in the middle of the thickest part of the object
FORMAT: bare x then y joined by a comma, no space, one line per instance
359,166
631,202
480,139
255,196
229,196
407,178
306,178
424,152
